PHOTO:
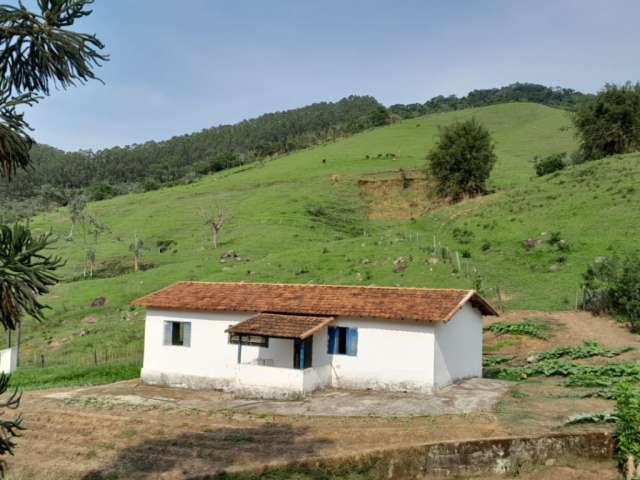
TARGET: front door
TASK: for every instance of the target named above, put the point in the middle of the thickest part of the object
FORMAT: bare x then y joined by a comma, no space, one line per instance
303,352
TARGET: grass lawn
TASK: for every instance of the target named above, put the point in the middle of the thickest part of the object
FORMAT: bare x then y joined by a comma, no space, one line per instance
69,376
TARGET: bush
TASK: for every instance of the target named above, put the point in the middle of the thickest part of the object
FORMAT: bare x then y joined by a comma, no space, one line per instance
462,160
379,116
549,164
101,191
613,286
609,123
462,235
149,184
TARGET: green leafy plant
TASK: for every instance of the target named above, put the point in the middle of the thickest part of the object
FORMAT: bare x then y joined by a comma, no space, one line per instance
549,164
588,349
612,285
523,328
492,360
627,415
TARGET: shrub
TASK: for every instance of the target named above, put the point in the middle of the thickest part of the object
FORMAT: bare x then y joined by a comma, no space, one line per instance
462,160
462,235
101,191
526,327
549,164
609,123
613,286
149,184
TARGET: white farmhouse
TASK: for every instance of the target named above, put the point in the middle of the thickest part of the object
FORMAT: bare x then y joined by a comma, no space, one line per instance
283,340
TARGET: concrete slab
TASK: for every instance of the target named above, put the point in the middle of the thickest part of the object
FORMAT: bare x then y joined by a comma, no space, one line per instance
472,396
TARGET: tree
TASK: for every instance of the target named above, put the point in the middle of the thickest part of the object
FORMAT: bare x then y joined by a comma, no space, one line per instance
38,52
609,123
380,116
137,248
215,220
76,212
462,160
92,228
26,272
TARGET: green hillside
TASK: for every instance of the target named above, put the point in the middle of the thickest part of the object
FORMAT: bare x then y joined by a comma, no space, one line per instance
304,218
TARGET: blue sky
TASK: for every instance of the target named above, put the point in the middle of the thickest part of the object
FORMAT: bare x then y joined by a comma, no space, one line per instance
179,67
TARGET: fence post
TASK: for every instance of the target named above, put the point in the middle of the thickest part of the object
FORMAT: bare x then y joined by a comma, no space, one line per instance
42,360
95,356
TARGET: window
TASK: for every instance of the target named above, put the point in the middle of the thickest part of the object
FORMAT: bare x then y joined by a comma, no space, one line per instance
343,341
253,340
177,333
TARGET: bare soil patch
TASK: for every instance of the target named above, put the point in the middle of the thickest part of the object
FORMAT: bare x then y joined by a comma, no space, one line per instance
391,195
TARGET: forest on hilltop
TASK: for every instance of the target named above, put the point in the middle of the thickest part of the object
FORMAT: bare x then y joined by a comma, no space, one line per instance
516,92
55,176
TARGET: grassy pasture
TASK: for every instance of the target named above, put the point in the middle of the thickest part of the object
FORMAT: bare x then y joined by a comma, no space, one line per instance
302,218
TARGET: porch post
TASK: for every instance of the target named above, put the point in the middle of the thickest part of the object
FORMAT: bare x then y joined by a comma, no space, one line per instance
301,354
239,348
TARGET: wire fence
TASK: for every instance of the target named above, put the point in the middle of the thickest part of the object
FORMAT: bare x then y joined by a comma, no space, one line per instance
94,357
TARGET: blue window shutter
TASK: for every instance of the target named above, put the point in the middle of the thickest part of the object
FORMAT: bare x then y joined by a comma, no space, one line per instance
331,347
187,334
352,341
168,326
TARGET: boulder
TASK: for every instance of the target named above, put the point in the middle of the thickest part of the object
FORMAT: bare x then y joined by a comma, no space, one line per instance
99,302
399,264
230,255
529,243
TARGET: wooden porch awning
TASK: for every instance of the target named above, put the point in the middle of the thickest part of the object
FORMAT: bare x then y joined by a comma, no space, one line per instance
280,326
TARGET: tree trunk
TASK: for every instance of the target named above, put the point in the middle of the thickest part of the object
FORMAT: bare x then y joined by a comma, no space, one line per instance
18,341
214,237
135,263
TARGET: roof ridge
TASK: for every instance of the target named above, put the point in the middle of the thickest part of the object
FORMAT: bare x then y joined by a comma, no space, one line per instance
389,287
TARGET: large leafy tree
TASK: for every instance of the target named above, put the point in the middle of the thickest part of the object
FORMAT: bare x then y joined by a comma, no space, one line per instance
37,52
609,123
462,160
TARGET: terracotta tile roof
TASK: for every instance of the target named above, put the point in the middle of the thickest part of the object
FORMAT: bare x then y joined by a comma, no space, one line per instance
285,326
399,303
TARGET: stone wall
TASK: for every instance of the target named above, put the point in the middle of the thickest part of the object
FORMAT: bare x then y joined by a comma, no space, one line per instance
465,458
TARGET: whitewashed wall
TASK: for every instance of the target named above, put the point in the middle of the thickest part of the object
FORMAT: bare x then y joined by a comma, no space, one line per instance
8,360
210,361
459,347
396,356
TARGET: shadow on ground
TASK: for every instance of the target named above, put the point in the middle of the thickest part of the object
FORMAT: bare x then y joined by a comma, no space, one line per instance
204,454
